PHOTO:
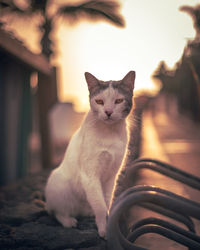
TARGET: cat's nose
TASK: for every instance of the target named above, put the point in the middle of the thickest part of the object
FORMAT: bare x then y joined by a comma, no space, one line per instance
108,113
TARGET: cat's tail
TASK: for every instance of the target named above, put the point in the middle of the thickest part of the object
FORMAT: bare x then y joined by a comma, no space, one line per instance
134,144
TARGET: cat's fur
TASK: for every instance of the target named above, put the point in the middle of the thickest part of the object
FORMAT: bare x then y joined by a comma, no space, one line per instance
84,181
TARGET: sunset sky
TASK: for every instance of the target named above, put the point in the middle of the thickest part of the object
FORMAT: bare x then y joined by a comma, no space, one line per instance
155,30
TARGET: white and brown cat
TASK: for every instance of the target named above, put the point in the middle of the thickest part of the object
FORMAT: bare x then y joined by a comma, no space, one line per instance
84,181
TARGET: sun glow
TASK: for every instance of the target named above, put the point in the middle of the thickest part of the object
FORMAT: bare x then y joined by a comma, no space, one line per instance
155,30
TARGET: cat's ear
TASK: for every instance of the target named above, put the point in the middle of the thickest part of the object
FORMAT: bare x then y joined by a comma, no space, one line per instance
91,80
129,80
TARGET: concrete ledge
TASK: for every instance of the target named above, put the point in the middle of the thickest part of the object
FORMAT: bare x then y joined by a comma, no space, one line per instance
24,224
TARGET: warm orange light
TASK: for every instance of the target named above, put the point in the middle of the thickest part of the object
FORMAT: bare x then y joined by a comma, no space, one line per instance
155,30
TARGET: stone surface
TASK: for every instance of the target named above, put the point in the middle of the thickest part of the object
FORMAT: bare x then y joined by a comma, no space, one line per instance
24,223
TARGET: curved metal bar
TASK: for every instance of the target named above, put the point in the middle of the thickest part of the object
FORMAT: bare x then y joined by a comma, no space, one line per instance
134,197
169,166
156,199
165,224
166,169
178,217
156,190
186,220
170,234
191,208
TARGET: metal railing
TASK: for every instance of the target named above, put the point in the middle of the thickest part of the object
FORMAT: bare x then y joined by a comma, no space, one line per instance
171,205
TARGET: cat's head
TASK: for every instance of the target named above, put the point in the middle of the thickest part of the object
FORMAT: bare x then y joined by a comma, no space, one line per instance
111,101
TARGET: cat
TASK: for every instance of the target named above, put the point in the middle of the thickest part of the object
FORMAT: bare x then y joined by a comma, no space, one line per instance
83,183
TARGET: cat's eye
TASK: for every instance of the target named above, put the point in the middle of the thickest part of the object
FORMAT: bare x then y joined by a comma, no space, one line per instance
99,101
117,101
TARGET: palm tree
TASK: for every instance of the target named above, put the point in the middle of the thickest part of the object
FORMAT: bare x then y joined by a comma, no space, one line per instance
107,10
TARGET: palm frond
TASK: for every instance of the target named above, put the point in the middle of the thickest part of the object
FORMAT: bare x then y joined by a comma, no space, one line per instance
94,10
188,9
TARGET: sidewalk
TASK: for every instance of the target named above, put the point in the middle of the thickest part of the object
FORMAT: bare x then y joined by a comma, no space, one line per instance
176,140
180,139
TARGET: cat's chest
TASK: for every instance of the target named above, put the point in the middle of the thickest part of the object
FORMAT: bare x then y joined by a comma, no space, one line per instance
109,141
106,150
102,149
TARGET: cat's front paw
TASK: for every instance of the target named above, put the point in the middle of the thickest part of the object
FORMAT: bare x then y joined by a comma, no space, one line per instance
71,222
102,229
67,221
102,233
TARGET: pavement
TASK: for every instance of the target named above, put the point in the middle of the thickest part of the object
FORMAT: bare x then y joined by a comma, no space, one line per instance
175,139
172,138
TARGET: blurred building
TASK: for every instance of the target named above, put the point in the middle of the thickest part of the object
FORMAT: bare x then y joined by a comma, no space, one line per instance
27,92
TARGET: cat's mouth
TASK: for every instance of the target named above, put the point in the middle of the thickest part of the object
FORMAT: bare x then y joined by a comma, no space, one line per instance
109,120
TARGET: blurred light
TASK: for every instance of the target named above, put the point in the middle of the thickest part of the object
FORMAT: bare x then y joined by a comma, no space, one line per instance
181,147
34,81
155,30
